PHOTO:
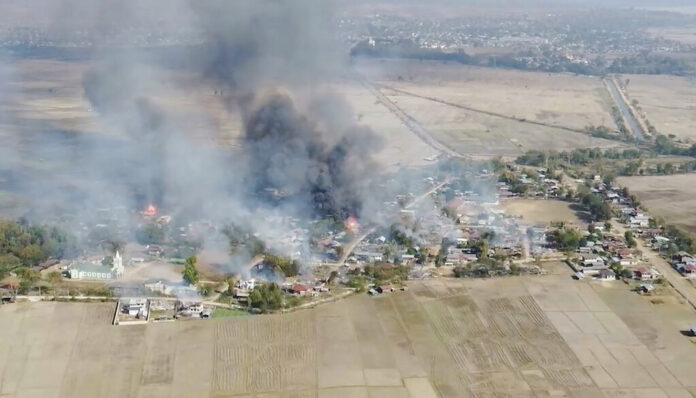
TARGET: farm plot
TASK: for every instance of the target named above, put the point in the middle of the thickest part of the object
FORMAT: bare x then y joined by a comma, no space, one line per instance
668,102
483,111
668,197
509,337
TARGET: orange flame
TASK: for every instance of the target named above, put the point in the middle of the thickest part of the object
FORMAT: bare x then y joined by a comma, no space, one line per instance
352,224
150,211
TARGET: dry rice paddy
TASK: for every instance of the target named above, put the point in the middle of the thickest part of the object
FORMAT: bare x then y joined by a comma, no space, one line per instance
516,337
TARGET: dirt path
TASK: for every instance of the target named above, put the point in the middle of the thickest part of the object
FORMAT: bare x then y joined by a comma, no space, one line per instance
678,282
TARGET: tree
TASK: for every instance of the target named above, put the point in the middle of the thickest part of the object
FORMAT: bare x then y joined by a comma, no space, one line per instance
54,277
483,246
31,255
31,276
190,272
8,263
630,240
285,265
567,239
151,234
357,282
267,297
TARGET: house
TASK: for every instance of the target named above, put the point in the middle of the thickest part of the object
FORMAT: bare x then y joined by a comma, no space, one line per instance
321,287
135,308
158,287
640,220
249,284
385,288
606,275
154,251
627,261
408,258
683,257
593,270
592,260
645,274
369,257
661,241
300,289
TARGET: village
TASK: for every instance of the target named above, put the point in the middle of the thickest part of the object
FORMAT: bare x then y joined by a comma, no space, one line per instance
460,226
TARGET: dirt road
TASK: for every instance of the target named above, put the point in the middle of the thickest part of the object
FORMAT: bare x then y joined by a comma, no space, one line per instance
678,282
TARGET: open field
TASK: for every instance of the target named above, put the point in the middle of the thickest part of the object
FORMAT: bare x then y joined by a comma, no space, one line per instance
688,10
684,34
514,337
47,125
671,197
47,97
545,211
531,110
668,101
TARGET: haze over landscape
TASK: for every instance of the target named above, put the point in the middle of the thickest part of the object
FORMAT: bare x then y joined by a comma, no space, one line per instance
373,198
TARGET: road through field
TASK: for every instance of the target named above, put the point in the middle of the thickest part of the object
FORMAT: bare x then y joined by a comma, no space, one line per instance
410,122
677,281
485,112
624,107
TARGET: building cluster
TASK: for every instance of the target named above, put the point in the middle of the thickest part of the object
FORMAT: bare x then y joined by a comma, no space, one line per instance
132,311
538,42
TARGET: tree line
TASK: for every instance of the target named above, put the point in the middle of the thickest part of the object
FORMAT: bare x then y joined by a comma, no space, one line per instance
24,245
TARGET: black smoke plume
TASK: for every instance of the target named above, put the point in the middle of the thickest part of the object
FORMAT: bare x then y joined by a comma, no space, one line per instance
295,156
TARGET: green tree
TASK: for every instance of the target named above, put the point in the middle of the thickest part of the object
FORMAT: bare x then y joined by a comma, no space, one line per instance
190,272
567,239
285,265
31,255
607,226
357,282
267,297
8,263
630,240
483,247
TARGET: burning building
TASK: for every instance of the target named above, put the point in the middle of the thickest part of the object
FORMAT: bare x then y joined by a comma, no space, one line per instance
150,211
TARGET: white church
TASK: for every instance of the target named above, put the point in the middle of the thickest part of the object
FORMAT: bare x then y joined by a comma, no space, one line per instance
81,270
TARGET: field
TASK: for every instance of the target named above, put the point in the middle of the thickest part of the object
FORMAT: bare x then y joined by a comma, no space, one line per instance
668,101
684,34
671,197
515,337
545,211
488,112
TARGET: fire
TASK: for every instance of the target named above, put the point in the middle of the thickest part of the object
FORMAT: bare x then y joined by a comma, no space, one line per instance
150,211
352,224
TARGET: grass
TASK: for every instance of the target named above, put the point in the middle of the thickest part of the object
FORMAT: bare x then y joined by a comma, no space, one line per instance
227,313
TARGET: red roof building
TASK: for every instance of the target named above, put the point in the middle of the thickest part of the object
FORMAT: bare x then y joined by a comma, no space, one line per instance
300,289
